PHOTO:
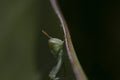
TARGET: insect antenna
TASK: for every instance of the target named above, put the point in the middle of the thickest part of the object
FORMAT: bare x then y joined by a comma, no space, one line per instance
45,33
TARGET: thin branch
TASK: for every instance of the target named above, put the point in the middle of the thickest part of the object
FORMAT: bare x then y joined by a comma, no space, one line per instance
78,71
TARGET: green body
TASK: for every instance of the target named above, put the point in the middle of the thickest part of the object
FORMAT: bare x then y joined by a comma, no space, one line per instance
56,47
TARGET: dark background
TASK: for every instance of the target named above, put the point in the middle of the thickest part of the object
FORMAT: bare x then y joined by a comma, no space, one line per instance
95,29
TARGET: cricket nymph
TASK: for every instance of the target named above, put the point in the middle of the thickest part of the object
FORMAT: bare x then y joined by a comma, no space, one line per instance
56,45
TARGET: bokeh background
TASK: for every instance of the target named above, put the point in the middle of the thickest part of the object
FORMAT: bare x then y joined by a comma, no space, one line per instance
95,31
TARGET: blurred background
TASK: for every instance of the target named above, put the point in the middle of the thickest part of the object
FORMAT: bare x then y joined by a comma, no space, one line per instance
95,31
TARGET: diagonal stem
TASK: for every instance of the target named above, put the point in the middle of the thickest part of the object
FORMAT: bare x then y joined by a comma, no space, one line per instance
77,68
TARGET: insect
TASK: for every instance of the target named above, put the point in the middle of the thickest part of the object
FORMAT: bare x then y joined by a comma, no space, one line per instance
56,48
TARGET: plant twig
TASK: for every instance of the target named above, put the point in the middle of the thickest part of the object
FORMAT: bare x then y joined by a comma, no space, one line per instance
77,68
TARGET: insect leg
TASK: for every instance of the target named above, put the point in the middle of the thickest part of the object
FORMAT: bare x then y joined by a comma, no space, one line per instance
56,69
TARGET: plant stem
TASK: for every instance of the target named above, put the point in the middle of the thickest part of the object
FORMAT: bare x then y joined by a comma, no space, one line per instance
77,68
